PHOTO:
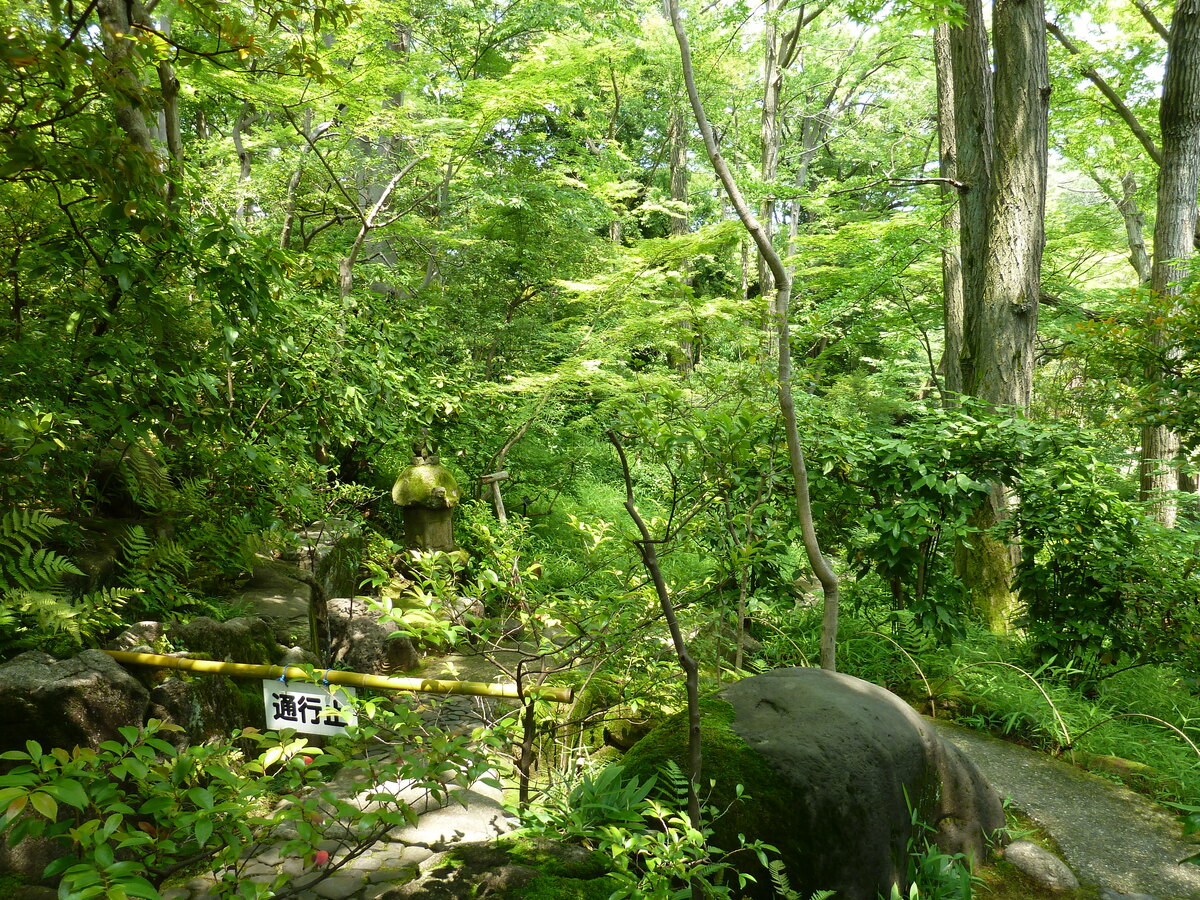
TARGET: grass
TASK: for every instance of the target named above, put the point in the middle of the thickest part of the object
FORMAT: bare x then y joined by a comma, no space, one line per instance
987,682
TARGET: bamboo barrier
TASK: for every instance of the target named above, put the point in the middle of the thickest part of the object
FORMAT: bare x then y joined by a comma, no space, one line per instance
335,676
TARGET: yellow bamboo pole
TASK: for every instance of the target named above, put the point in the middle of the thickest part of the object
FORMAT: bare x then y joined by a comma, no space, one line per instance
335,676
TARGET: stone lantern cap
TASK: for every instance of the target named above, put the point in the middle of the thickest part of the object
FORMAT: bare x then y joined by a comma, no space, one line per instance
426,483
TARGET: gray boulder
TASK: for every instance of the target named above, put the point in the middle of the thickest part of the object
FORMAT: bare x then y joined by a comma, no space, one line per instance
80,701
143,637
361,643
833,768
206,707
1041,866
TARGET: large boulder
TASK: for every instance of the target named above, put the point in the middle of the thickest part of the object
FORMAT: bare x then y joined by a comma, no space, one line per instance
73,702
207,707
362,643
834,769
80,701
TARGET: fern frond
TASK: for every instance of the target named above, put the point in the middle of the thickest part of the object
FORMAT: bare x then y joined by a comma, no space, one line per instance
673,785
48,612
168,556
35,570
135,544
20,529
145,476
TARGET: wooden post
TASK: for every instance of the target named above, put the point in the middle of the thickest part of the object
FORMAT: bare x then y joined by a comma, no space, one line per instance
494,480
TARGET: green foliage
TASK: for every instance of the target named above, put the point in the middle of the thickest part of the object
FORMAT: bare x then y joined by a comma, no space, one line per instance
38,609
427,607
899,495
579,809
655,850
932,874
1100,580
133,811
991,683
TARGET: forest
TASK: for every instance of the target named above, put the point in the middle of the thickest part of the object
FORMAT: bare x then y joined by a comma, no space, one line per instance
846,334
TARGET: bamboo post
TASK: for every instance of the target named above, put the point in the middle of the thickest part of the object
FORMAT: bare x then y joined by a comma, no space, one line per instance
352,679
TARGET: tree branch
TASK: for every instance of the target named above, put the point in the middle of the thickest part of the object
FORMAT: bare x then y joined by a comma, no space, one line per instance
1149,16
690,669
1118,105
783,292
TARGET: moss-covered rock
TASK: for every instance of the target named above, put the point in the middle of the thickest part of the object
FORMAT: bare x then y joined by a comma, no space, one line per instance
833,771
427,484
764,804
512,871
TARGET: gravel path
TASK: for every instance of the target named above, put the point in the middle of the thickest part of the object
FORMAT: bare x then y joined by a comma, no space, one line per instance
1109,836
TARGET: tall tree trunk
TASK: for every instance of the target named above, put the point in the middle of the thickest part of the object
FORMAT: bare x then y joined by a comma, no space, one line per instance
1002,241
952,287
172,135
973,130
783,284
117,19
246,117
1175,225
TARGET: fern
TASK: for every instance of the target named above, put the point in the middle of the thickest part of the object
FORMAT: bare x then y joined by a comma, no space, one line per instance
21,529
145,476
36,607
673,785
156,568
34,570
784,888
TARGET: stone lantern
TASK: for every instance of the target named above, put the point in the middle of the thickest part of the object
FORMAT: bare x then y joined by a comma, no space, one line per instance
427,493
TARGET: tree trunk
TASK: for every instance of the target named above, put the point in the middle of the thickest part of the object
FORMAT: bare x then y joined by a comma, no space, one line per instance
172,136
1175,225
812,548
972,109
117,18
240,126
1002,132
952,287
677,138
769,144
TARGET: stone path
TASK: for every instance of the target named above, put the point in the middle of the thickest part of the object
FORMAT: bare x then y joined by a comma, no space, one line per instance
1111,837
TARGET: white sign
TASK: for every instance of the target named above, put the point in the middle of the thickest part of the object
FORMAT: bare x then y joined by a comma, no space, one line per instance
308,708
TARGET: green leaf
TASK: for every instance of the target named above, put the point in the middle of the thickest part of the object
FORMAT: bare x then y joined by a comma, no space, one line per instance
204,829
70,792
45,804
202,797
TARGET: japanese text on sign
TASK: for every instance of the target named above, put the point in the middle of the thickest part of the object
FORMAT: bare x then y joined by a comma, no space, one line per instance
308,708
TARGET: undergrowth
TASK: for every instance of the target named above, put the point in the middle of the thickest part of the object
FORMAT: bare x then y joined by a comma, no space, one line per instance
988,682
